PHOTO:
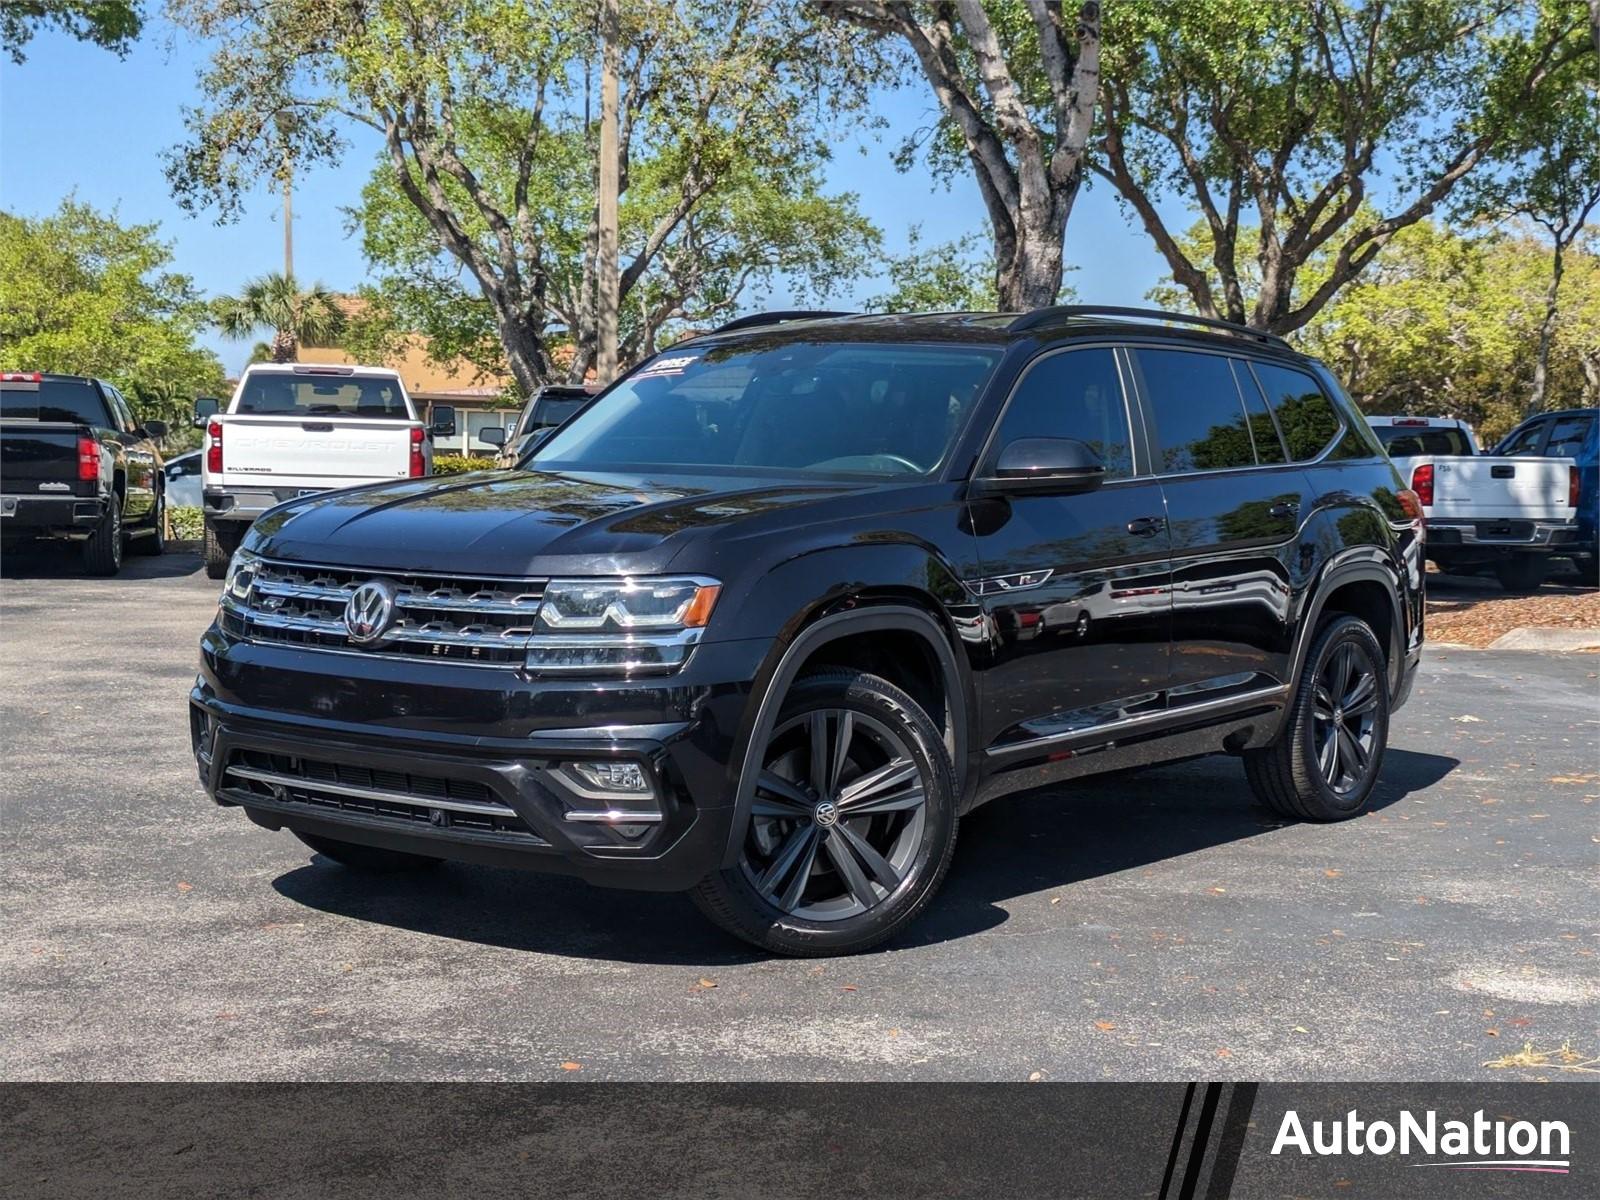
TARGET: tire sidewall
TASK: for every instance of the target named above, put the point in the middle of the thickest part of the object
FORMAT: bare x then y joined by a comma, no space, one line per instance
886,703
1345,631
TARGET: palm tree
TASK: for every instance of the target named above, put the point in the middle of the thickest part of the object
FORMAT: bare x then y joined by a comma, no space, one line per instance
276,302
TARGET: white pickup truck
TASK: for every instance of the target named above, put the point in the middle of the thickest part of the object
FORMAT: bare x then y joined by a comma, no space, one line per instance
1505,514
296,428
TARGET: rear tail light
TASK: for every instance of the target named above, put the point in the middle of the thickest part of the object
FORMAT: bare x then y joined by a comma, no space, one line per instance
214,448
1572,487
1422,483
416,452
88,459
1411,505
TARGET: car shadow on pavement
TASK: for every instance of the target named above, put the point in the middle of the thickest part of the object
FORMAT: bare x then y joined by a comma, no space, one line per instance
1050,838
49,560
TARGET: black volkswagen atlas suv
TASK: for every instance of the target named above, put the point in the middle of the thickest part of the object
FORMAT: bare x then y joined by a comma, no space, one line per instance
789,599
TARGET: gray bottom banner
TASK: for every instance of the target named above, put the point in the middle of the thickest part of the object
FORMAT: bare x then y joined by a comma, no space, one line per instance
1169,1141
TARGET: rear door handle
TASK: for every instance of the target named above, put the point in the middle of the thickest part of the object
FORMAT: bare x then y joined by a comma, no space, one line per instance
1146,526
1285,508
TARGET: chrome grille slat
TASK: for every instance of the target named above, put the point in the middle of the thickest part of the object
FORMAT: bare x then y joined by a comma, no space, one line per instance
474,620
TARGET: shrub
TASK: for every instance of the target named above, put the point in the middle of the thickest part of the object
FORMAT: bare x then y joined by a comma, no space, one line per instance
188,523
459,464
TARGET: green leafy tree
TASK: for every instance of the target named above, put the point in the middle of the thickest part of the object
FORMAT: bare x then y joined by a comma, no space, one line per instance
951,276
297,316
484,108
1273,120
87,295
1547,173
1016,89
1447,325
114,24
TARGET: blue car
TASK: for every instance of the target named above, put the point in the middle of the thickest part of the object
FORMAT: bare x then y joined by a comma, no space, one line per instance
1572,433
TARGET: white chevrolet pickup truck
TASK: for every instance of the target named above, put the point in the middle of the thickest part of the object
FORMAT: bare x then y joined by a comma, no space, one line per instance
1508,515
296,428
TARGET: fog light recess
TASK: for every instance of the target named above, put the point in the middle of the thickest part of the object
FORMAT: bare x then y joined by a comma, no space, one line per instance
620,793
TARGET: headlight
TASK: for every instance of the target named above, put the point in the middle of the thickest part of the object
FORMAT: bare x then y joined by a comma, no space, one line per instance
241,574
620,625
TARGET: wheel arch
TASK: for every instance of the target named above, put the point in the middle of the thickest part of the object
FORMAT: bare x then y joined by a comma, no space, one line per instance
1362,584
871,612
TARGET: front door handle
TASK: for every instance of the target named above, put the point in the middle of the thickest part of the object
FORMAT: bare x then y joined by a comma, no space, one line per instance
1285,508
1146,526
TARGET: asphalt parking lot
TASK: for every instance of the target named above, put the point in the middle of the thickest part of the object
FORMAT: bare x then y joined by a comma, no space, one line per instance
1153,926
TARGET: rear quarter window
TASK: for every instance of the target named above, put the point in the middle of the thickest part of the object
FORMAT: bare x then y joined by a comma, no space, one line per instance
1304,413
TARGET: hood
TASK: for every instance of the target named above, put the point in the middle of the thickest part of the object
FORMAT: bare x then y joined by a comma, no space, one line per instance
503,522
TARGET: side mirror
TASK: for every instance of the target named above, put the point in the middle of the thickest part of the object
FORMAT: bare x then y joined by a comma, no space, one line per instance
205,408
155,429
1044,466
492,436
444,420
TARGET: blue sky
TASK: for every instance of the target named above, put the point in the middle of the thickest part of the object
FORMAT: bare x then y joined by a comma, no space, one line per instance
75,118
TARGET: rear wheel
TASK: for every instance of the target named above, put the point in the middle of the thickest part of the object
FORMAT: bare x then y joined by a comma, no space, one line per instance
102,552
853,824
373,859
219,548
1326,760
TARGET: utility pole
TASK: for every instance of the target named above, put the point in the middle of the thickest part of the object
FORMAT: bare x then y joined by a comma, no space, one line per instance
288,221
606,300
285,131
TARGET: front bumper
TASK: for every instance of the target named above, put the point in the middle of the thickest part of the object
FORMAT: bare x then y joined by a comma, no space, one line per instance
34,514
465,762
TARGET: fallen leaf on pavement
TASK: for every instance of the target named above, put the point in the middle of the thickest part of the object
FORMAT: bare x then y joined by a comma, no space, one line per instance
185,887
571,1066
1104,1026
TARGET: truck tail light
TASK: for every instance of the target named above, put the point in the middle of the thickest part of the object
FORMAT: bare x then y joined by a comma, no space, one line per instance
416,452
1422,483
1572,487
214,448
88,459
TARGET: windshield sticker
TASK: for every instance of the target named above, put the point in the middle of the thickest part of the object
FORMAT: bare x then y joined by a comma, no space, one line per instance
667,366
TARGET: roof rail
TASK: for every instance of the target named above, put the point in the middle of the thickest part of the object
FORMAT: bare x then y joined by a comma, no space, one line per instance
777,318
1043,316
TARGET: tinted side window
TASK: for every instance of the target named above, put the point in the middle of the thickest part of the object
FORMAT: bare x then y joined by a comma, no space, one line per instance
1525,441
1567,435
1199,417
1269,446
1305,415
1077,394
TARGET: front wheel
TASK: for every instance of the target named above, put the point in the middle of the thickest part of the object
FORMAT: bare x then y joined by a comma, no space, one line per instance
154,542
852,827
1325,762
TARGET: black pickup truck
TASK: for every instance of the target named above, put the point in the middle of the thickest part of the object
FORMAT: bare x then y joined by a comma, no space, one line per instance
74,464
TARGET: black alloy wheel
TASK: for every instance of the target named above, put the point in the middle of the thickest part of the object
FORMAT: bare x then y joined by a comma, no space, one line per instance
852,823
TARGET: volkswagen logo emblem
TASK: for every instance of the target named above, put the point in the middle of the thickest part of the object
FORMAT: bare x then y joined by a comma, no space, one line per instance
370,611
826,814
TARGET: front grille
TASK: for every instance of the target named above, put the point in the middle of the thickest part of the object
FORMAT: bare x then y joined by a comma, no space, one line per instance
461,619
406,798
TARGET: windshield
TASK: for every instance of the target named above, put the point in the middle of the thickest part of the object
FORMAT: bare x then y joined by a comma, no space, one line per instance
811,408
316,396
1412,441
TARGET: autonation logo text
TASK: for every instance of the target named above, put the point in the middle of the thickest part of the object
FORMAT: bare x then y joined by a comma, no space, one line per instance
1480,1144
